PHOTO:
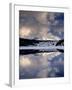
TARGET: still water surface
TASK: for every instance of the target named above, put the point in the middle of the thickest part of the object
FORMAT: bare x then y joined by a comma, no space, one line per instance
41,65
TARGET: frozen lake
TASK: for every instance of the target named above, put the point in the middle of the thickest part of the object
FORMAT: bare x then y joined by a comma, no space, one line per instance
42,48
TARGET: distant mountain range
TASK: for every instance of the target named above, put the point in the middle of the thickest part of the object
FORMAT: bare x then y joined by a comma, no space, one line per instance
31,46
33,42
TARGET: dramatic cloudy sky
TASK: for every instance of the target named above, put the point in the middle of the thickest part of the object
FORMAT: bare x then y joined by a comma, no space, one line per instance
41,25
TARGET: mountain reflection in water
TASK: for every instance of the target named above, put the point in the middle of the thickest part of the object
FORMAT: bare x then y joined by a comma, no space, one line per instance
41,65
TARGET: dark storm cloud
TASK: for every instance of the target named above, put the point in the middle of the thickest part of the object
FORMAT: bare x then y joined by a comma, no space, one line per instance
57,24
